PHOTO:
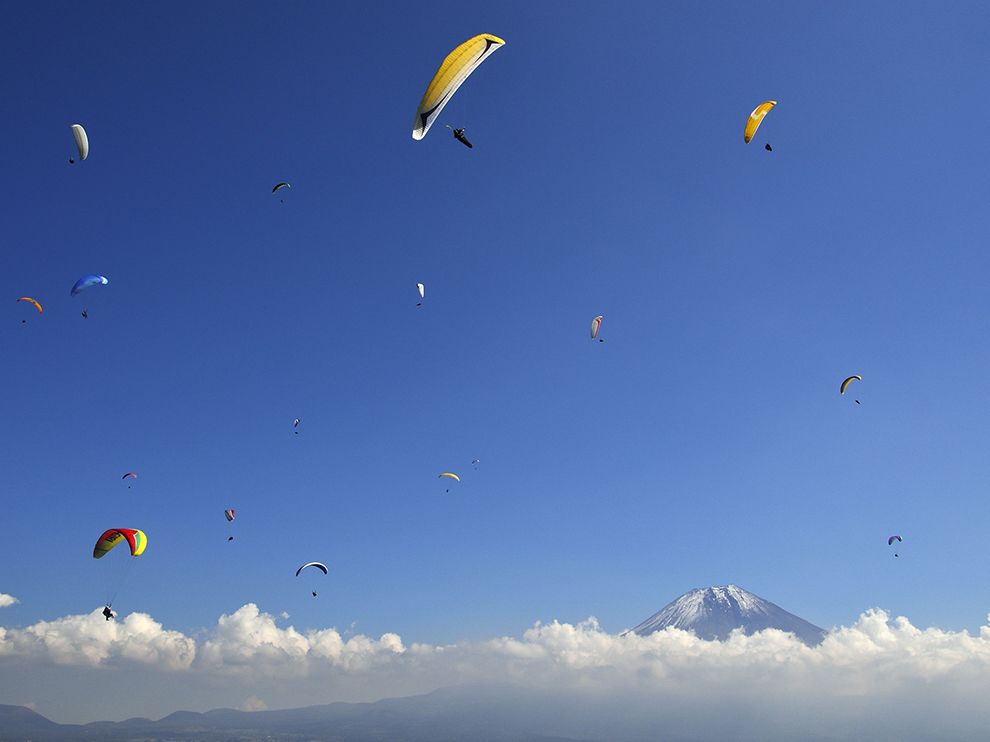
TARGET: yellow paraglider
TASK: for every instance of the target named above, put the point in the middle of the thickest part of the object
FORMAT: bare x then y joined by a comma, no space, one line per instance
452,476
453,71
756,118
842,387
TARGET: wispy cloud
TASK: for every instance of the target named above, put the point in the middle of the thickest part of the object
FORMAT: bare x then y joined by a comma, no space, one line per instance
6,600
882,669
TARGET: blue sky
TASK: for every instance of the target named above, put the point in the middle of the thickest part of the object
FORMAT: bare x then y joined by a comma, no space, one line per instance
703,443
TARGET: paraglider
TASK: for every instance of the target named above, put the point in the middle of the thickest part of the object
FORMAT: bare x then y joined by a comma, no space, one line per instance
450,475
459,136
86,281
756,118
319,565
82,142
136,540
108,613
33,302
596,325
85,314
130,475
422,293
295,426
475,462
767,147
229,515
846,382
279,186
453,71
891,540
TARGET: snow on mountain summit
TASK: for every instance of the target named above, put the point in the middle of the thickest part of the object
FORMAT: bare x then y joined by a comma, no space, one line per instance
714,612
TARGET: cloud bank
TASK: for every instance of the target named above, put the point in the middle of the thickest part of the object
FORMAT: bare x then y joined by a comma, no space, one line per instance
881,676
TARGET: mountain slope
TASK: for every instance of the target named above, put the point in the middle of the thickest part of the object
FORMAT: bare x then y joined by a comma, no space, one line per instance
714,612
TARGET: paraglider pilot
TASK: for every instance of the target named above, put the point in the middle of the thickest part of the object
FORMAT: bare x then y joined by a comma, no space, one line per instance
459,136
108,613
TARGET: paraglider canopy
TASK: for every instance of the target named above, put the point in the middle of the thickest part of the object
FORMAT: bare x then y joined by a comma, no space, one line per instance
82,141
453,71
86,281
318,565
229,514
756,118
130,475
279,186
892,539
31,301
451,475
135,539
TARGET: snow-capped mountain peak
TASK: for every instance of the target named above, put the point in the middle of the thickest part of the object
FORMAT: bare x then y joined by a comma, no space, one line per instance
714,612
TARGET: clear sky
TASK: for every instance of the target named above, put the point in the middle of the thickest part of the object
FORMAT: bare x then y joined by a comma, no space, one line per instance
703,442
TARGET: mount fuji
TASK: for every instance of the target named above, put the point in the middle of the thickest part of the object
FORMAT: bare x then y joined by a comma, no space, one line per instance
714,612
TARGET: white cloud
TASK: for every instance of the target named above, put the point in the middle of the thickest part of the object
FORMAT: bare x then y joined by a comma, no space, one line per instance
6,600
880,671
90,640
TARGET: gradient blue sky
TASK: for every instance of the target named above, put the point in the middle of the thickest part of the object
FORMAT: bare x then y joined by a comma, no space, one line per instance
704,442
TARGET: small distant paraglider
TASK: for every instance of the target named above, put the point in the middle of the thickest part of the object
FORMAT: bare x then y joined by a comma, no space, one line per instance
459,136
318,565
596,325
86,282
891,540
82,142
845,383
453,71
278,187
421,288
33,302
767,147
129,475
755,119
229,515
475,462
295,426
